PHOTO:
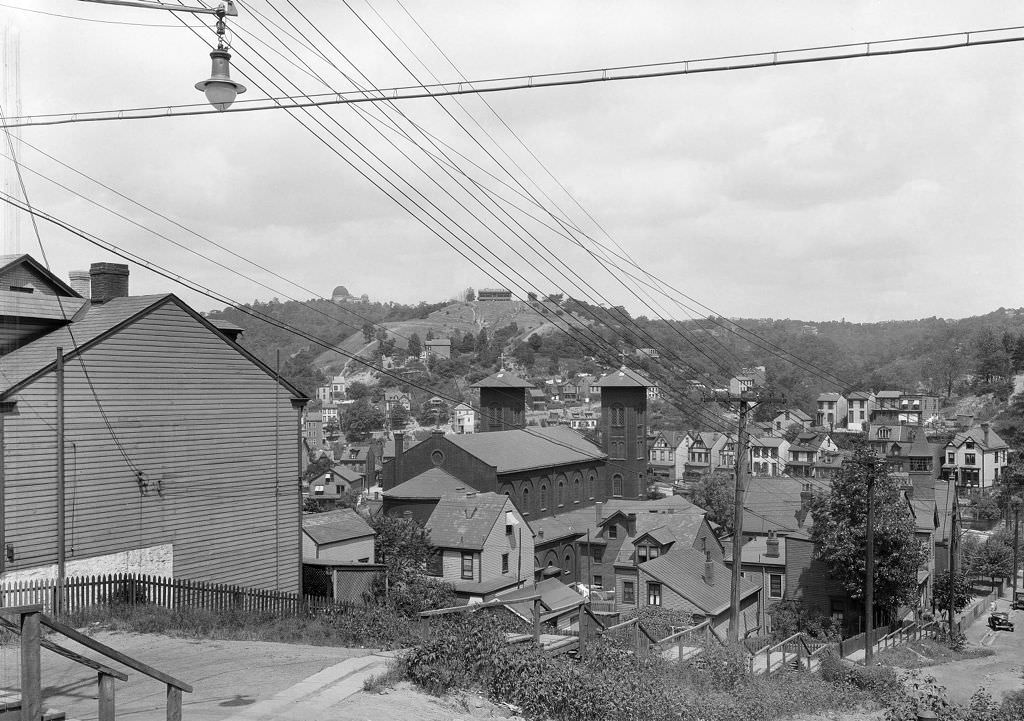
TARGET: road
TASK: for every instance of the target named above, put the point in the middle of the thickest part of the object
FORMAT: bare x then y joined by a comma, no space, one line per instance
998,673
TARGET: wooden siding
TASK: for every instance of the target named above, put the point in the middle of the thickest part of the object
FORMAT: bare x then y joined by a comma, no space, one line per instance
23,276
204,425
342,552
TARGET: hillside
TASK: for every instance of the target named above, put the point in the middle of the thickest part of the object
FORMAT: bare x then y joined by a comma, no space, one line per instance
451,321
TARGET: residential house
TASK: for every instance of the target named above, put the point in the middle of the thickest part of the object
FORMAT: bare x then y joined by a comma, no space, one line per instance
340,536
807,450
661,454
768,455
860,405
887,408
653,392
313,427
691,581
484,545
393,397
976,458
583,421
361,458
493,294
146,380
538,399
464,418
438,348
746,380
726,458
703,454
789,417
832,410
917,408
339,387
332,487
763,560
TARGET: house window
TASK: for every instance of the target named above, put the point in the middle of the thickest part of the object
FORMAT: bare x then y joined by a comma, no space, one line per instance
628,592
951,458
504,563
654,552
616,485
467,566
884,432
970,445
641,554
969,459
435,564
653,594
618,415
599,581
837,609
774,585
612,531
920,464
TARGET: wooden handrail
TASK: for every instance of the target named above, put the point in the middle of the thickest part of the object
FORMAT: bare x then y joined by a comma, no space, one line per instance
623,624
114,654
478,606
68,653
798,634
685,631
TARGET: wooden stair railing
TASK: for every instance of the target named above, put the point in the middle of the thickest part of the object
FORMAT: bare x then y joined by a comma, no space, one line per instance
31,619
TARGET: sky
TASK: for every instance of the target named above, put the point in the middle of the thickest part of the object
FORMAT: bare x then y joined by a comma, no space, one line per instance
865,189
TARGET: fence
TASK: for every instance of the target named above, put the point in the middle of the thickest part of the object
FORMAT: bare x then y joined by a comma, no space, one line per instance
970,615
77,593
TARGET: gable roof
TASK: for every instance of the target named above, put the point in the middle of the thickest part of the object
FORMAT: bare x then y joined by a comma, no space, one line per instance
464,522
9,261
526,449
502,379
553,595
794,413
988,439
683,571
888,394
93,324
774,504
343,524
624,378
346,474
432,483
679,529
578,522
829,397
860,395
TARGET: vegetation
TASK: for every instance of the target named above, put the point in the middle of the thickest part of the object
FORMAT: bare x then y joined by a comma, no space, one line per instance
716,493
840,532
953,589
403,547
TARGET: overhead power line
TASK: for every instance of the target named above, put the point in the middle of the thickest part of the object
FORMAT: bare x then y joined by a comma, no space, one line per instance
747,61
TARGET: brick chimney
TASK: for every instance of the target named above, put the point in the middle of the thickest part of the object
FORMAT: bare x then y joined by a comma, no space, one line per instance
984,432
631,524
709,570
109,280
772,545
80,282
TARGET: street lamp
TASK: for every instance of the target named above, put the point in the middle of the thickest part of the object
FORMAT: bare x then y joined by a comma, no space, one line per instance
219,88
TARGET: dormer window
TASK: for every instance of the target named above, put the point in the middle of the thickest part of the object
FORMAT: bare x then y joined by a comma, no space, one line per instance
970,444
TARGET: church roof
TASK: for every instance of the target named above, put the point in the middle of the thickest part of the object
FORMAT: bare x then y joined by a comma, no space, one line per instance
502,379
624,378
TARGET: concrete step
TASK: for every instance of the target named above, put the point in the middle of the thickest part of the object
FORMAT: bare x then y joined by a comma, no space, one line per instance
10,709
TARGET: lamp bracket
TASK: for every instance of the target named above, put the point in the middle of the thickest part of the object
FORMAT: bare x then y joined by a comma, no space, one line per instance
226,8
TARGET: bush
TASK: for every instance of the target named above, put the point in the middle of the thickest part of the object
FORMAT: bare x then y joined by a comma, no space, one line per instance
881,682
915,693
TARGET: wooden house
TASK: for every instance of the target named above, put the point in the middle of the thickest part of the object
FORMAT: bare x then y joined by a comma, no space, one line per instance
159,476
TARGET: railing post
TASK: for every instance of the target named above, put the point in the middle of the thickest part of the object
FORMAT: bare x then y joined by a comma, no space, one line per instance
106,697
31,691
173,703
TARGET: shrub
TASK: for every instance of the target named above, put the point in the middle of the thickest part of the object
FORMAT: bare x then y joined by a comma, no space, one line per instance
1013,705
915,693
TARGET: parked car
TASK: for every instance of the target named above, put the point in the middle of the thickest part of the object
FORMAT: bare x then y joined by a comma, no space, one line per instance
1000,621
1018,601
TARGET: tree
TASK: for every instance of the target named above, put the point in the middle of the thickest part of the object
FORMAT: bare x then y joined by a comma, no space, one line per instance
990,355
956,588
357,390
359,420
949,365
415,346
367,332
468,344
536,342
790,616
305,376
994,559
403,547
716,494
399,417
840,532
482,341
469,295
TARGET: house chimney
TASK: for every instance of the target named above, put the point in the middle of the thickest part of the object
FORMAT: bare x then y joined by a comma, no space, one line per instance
80,282
984,431
108,280
598,507
806,496
772,545
709,570
631,524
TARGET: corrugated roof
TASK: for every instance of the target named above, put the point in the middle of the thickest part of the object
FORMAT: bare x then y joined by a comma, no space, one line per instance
624,378
432,483
464,522
19,365
502,379
525,449
683,571
342,524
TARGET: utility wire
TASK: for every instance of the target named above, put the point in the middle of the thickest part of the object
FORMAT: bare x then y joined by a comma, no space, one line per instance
87,20
747,61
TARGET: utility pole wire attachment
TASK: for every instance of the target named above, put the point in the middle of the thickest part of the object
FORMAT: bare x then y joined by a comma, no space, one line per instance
226,8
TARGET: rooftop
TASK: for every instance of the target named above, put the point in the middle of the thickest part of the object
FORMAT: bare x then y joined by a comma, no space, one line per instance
432,483
683,571
464,522
502,379
342,524
529,448
624,378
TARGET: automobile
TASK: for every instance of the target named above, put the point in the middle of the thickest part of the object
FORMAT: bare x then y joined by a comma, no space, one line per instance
1018,601
1000,621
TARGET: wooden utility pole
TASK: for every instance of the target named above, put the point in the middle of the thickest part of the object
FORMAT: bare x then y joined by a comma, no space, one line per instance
1015,501
952,551
747,401
869,575
61,570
